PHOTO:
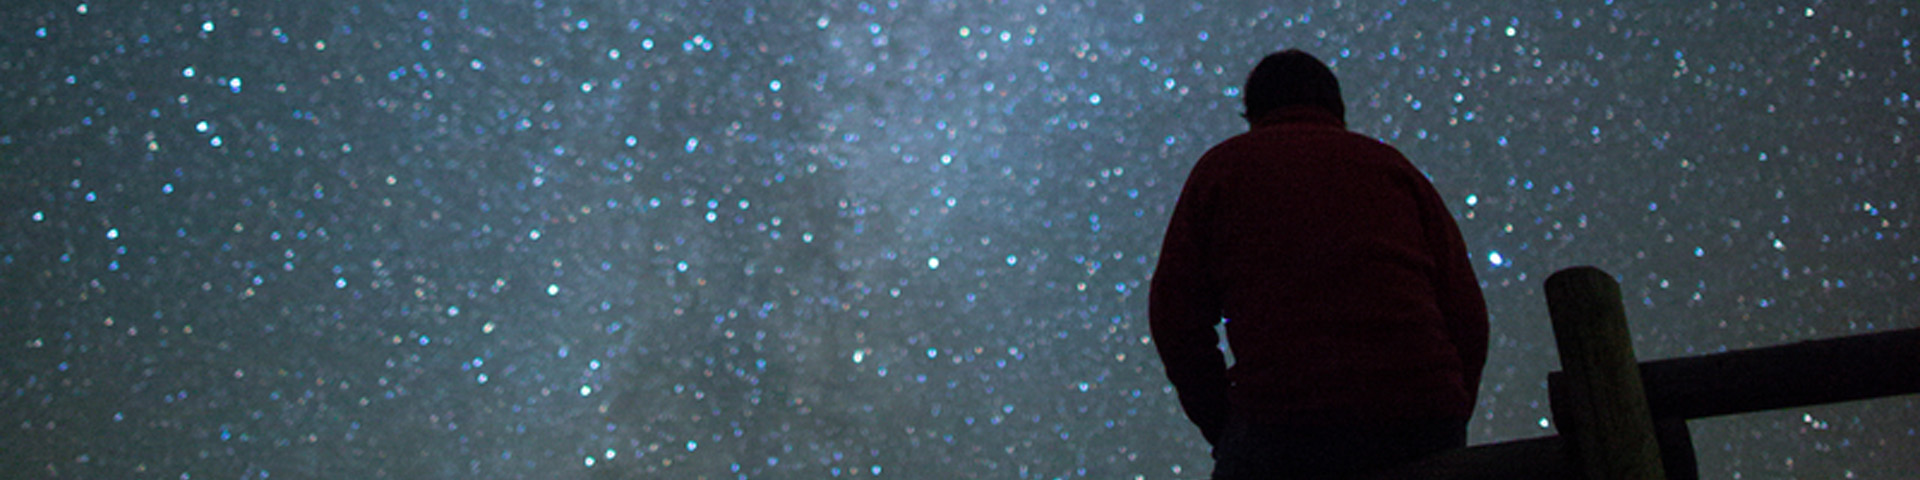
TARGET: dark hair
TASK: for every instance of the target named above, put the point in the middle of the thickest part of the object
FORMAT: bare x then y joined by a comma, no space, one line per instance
1288,78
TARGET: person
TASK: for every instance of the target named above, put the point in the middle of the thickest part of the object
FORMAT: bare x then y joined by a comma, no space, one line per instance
1357,326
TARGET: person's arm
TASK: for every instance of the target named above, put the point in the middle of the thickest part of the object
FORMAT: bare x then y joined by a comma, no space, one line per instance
1183,308
1461,303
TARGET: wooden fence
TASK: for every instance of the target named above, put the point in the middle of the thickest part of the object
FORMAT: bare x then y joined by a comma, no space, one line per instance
1622,419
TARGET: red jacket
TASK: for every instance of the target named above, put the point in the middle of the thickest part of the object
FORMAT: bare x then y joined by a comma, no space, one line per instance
1347,291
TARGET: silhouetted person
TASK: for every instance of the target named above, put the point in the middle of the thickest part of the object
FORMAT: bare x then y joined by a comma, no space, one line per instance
1356,323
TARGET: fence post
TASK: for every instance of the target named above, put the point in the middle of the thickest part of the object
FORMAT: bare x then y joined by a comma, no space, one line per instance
1606,422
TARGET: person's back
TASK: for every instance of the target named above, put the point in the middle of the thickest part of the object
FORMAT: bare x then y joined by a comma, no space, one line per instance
1352,309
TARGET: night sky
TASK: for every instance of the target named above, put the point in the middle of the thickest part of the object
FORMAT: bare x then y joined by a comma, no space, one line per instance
894,239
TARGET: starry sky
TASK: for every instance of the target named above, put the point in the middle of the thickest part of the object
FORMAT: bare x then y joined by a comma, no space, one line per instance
846,239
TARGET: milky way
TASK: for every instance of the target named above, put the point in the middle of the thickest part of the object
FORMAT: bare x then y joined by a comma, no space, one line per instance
905,239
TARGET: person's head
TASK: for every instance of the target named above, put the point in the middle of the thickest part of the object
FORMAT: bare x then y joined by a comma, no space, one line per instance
1289,78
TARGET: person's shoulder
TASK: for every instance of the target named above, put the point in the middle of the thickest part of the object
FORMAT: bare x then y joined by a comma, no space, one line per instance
1266,137
1231,146
1263,142
1375,147
1362,138
1308,135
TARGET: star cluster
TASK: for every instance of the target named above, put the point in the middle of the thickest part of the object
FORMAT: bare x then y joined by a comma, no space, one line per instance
847,239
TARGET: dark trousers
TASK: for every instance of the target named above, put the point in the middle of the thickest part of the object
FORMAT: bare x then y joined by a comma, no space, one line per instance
1249,451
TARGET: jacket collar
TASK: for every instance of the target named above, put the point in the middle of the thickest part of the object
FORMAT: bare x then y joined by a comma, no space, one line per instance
1298,114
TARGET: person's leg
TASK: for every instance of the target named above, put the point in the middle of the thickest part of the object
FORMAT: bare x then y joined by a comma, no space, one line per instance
1263,452
1410,442
1313,452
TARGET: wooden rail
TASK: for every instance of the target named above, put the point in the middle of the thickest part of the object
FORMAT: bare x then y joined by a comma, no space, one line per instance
1621,418
1794,375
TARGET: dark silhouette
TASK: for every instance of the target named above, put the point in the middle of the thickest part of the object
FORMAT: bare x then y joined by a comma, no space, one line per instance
1357,326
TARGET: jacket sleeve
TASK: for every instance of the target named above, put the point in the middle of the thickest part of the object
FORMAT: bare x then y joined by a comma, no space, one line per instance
1461,303
1184,307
